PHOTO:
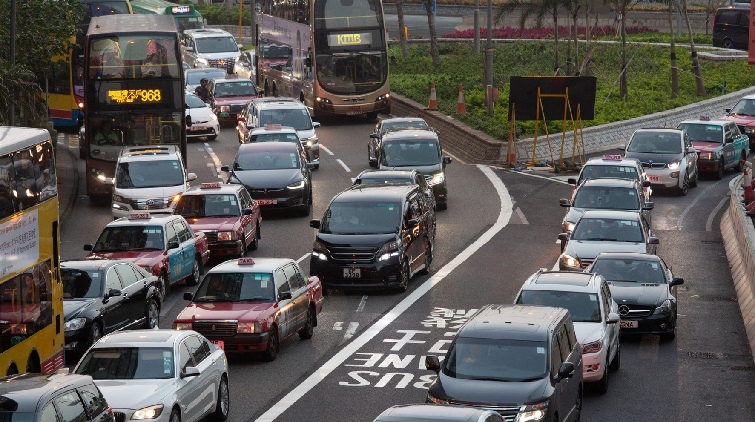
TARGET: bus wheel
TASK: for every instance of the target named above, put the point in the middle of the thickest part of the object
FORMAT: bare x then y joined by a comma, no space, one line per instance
32,365
12,370
267,90
275,91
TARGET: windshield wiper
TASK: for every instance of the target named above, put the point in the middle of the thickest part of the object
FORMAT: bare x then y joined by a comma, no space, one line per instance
254,299
490,379
145,249
531,379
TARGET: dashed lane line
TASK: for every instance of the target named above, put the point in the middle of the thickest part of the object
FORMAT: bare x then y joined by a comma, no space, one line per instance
521,216
709,223
524,173
504,215
298,261
362,302
215,160
324,148
345,167
338,326
350,331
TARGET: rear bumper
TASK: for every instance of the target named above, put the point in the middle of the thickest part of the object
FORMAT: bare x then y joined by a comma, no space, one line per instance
708,165
440,191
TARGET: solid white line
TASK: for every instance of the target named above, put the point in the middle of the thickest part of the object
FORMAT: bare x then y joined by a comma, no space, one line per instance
324,148
298,261
342,355
521,216
363,302
694,201
351,330
709,223
345,167
555,267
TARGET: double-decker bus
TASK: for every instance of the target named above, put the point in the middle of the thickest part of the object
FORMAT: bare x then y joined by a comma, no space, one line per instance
133,91
65,100
186,15
31,293
330,54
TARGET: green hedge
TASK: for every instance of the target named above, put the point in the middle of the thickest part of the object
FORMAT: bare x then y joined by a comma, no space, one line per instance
217,15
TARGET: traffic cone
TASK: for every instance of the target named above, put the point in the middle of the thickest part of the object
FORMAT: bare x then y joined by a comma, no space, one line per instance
460,108
750,208
433,99
749,194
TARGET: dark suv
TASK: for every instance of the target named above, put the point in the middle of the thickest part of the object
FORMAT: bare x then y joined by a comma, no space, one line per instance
523,362
57,397
374,236
731,26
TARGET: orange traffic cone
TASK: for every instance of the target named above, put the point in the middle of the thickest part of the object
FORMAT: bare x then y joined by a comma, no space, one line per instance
749,194
433,99
750,208
460,108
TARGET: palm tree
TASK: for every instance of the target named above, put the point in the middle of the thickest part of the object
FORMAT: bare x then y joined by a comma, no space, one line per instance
622,6
402,34
693,53
433,36
674,71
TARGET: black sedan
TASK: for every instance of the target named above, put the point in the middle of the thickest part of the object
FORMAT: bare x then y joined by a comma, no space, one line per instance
274,175
102,296
645,290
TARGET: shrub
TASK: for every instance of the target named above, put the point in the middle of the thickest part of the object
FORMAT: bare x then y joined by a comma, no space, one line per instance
508,32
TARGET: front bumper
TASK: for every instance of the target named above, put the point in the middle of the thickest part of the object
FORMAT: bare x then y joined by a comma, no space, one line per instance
76,343
203,130
440,191
593,365
96,186
229,248
708,165
281,198
652,324
663,177
243,343
124,210
381,274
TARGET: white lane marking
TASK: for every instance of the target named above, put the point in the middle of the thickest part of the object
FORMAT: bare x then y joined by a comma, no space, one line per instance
521,216
200,149
362,302
215,160
324,148
555,267
338,326
709,223
298,261
524,173
351,330
342,355
345,167
353,179
694,201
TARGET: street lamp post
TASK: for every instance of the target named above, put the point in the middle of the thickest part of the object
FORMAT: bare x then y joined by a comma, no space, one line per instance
489,61
12,107
477,26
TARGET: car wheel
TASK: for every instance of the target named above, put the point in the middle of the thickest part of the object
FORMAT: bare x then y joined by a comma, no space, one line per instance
196,273
616,362
153,315
243,248
175,416
272,346
404,284
428,258
720,172
580,396
256,242
727,43
369,157
306,209
740,166
224,401
96,333
442,206
212,137
164,285
683,187
670,335
693,182
602,385
309,329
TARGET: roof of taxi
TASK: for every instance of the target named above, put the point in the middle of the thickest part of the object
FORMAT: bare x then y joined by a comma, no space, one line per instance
282,129
109,24
611,215
267,146
376,174
430,412
403,119
601,161
611,182
407,133
751,96
90,264
153,219
24,391
628,255
261,265
224,188
512,322
149,153
277,102
374,192
140,338
563,281
229,79
719,122
16,138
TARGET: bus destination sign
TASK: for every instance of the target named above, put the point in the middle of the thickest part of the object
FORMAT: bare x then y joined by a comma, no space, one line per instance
134,96
340,40
180,10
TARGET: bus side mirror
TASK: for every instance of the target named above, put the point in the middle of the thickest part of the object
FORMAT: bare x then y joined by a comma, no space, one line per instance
308,62
188,121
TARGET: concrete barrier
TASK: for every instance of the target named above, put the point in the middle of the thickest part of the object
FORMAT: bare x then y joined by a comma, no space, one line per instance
738,234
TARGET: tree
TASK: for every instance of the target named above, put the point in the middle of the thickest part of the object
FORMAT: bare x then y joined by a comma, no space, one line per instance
229,4
674,70
433,36
622,6
693,53
709,7
402,34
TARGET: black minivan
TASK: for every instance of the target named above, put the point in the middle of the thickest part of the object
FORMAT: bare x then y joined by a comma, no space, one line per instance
374,236
523,362
731,26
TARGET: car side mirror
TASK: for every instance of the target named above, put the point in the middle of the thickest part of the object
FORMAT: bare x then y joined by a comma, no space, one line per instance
114,293
188,120
310,166
432,363
191,177
676,281
190,371
374,135
613,318
648,206
571,181
173,245
564,202
566,370
446,159
316,124
412,223
622,147
248,211
563,237
88,247
315,224
727,110
373,161
646,183
225,169
188,296
652,240
240,46
284,296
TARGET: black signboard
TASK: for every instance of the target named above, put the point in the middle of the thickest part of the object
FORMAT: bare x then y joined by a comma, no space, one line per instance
523,94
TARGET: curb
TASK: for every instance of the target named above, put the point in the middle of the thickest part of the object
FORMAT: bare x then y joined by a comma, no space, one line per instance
74,191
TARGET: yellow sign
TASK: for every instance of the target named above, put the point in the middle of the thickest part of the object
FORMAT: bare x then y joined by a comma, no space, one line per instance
126,96
348,39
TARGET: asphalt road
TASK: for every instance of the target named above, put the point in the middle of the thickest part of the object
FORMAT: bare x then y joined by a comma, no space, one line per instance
368,350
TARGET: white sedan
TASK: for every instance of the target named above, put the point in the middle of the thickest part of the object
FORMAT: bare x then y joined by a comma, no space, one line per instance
204,122
159,375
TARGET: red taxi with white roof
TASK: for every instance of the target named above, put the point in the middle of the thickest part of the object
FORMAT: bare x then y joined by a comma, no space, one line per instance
613,166
226,214
250,305
743,115
163,245
229,96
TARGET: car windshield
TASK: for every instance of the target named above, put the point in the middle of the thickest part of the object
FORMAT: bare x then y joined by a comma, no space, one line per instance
6,416
81,284
130,363
606,198
364,217
608,229
631,270
194,102
236,287
385,180
590,172
496,360
403,124
655,143
297,118
275,137
745,107
130,238
149,174
700,132
266,160
211,45
235,89
411,153
203,206
583,307
193,78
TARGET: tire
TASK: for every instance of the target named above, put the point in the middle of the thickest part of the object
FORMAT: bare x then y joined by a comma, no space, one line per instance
580,401
669,336
95,333
165,283
152,316
196,273
428,258
693,182
404,284
602,385
272,346
742,157
720,172
683,188
243,248
616,362
727,43
256,242
175,416
222,406
308,330
212,137
442,206
306,209
369,155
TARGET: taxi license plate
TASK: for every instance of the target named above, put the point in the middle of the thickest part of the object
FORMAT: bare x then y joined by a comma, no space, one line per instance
654,178
354,110
220,343
224,114
628,324
352,273
267,201
199,128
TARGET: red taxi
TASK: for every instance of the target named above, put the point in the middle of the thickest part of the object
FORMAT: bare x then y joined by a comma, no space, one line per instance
251,306
743,115
226,214
229,96
163,245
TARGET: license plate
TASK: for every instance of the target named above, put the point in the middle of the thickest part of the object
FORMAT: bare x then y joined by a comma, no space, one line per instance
220,343
352,273
267,201
199,127
354,110
654,178
224,114
628,324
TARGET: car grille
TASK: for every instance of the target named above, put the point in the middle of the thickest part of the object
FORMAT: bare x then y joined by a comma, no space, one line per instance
236,108
212,235
224,63
654,165
215,329
264,193
119,416
149,204
353,255
635,311
200,132
508,413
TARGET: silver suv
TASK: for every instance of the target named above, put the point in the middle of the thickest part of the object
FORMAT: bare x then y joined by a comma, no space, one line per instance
210,48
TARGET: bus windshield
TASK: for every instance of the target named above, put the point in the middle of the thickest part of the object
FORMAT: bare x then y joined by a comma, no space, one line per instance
344,14
133,57
352,72
114,132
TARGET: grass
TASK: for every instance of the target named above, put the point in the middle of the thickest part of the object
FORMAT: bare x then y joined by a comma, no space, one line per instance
664,37
648,73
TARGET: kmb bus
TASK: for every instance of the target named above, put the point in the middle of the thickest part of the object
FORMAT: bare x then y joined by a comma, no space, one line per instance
31,294
186,15
133,91
330,54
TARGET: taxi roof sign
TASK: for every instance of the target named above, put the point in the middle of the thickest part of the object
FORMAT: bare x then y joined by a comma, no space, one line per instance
139,215
612,157
271,127
246,261
705,118
210,185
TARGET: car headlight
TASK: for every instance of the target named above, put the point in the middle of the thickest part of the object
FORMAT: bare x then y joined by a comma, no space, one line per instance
437,178
319,251
150,412
176,197
570,261
593,347
226,236
665,308
706,155
750,130
75,324
389,250
673,166
118,198
310,141
296,185
431,399
569,226
533,412
248,328
182,326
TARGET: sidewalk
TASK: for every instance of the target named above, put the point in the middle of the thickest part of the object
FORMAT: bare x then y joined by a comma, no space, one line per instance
68,177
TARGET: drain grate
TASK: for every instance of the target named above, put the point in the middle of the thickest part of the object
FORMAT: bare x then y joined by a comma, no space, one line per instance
706,355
